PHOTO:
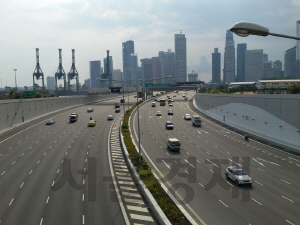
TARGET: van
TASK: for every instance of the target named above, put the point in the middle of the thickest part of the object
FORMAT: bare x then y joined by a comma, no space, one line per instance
153,104
196,121
173,144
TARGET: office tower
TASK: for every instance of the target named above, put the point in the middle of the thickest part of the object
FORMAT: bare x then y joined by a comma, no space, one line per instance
147,69
216,67
266,57
127,50
229,59
117,75
87,83
254,64
192,77
167,66
50,83
156,70
111,64
290,69
95,73
240,62
268,64
180,57
277,65
298,49
133,68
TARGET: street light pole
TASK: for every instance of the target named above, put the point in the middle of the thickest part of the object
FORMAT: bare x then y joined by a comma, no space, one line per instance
15,80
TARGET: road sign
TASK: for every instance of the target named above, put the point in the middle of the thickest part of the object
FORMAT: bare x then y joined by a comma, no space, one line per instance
29,94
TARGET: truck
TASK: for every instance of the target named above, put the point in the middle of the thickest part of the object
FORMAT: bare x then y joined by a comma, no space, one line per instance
196,121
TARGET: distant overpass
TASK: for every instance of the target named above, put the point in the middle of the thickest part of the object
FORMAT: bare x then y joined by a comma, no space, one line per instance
178,86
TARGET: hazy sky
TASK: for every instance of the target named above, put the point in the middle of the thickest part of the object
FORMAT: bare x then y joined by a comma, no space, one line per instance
93,26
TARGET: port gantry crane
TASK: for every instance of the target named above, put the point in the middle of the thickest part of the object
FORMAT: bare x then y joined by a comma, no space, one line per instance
38,73
60,72
73,73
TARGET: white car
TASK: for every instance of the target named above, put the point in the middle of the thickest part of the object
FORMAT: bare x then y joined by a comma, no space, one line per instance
110,117
169,125
170,104
174,95
90,110
187,117
238,176
158,113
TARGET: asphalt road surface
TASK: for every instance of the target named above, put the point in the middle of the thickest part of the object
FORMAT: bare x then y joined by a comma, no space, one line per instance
197,172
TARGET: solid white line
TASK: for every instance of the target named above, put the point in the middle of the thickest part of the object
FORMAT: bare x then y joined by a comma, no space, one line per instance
288,199
11,202
285,181
82,219
223,203
289,222
256,201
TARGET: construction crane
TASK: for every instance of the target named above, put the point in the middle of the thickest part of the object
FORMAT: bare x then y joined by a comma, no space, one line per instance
60,72
73,74
38,73
107,73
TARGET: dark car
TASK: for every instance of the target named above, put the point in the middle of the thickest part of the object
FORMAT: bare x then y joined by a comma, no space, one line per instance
170,112
169,125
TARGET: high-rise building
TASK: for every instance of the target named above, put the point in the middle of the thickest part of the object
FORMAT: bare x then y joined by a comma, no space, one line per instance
216,67
127,50
117,75
95,73
180,58
240,62
133,68
147,69
50,83
290,67
268,64
266,57
156,70
254,64
229,59
298,49
111,64
87,83
167,66
277,65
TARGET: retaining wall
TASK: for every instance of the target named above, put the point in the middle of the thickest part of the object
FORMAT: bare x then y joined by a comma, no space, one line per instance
272,117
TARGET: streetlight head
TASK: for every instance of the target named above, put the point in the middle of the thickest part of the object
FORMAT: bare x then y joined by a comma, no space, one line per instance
244,29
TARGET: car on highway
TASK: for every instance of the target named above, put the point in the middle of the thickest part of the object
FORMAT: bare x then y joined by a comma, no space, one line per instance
187,117
169,125
92,123
174,95
90,110
183,95
74,114
110,117
158,113
153,104
117,110
173,144
170,104
50,121
170,112
238,176
72,118
185,98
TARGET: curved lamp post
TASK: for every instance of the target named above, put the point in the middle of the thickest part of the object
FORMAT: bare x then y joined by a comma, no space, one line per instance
244,29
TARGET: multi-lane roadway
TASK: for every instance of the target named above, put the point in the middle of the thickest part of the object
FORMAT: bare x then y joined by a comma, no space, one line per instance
197,172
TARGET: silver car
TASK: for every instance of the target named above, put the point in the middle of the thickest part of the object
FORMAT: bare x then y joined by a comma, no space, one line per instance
187,117
50,121
238,176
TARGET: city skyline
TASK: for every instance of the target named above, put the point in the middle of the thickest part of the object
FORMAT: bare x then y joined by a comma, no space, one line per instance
92,27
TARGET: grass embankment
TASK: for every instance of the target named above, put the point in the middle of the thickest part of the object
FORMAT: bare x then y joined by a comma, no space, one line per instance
166,204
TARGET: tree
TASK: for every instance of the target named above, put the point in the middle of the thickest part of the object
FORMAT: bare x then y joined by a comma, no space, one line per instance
294,89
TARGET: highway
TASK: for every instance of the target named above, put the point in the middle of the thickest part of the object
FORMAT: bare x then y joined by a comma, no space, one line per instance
59,174
197,172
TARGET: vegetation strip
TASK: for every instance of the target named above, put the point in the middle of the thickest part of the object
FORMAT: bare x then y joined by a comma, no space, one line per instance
146,175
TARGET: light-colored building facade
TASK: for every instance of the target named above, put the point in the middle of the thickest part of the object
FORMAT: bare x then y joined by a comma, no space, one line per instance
229,59
290,66
167,66
50,83
180,58
133,68
254,65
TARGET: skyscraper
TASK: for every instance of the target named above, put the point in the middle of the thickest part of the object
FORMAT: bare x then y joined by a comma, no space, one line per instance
229,59
290,67
216,67
147,69
50,83
240,62
95,72
167,66
133,68
127,50
298,49
254,65
180,58
111,64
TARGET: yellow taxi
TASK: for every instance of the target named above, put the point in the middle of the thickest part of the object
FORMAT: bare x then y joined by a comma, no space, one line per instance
92,123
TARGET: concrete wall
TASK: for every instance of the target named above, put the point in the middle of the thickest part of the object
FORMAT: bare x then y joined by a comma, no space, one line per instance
13,112
272,117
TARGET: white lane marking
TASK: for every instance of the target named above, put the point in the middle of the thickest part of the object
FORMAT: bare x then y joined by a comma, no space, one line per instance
211,171
187,153
256,201
3,172
83,197
70,146
47,200
261,169
207,153
22,185
227,152
11,202
212,163
287,199
294,159
57,171
259,183
269,162
38,162
289,222
197,146
198,161
10,148
258,162
1,155
30,172
82,219
199,132
285,181
19,142
37,141
216,146
83,181
235,162
66,153
30,147
202,185
166,164
190,163
41,221
53,183
13,162
223,203
45,153
230,184
50,147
